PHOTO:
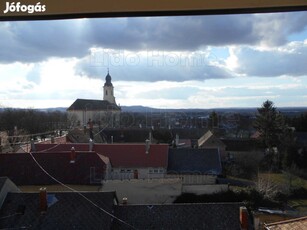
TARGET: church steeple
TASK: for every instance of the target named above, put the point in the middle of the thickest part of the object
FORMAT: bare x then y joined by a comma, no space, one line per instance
108,89
108,80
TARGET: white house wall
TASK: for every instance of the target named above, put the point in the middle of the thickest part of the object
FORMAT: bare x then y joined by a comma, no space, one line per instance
143,173
111,118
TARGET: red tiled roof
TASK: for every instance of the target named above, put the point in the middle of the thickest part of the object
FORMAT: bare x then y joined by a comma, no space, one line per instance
88,168
120,155
298,223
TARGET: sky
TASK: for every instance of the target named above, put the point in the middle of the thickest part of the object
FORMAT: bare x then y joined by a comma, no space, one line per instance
216,61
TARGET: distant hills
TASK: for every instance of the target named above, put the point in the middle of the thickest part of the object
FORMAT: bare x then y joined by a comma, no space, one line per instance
143,109
290,111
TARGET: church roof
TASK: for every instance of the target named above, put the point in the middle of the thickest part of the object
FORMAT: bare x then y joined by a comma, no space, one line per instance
89,104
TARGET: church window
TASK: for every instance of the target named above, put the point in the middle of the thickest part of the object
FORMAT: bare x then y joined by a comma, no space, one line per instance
106,92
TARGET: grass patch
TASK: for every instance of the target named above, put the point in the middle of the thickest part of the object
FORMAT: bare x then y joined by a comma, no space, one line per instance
298,202
239,179
285,179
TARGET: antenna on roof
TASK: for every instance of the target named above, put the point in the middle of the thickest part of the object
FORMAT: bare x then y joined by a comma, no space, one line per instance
33,146
91,144
72,155
147,145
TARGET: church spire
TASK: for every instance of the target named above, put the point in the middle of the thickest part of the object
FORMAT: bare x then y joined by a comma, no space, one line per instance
108,80
108,89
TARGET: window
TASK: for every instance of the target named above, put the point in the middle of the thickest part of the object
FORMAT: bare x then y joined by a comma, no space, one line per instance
231,63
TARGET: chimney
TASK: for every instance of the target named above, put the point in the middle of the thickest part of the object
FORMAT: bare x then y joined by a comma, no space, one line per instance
0,145
147,145
244,218
91,144
125,200
43,200
72,155
177,140
150,137
32,146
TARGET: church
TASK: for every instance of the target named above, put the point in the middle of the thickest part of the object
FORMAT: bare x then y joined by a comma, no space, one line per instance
103,112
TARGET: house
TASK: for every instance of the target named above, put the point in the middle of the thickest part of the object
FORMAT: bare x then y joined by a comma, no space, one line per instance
297,223
239,147
137,161
209,140
126,135
188,136
195,167
104,112
6,186
194,161
127,161
87,168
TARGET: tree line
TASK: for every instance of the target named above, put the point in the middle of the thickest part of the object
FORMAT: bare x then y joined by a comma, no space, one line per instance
31,121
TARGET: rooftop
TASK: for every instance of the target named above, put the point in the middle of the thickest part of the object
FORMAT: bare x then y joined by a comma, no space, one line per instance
217,216
201,161
67,210
298,223
21,168
89,104
120,155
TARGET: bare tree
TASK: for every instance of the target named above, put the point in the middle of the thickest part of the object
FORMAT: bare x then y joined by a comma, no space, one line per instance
266,186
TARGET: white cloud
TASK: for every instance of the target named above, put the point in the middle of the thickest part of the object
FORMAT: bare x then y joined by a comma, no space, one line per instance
232,62
176,62
286,60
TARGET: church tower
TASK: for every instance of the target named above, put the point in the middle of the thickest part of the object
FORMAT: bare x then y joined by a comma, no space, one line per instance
108,90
